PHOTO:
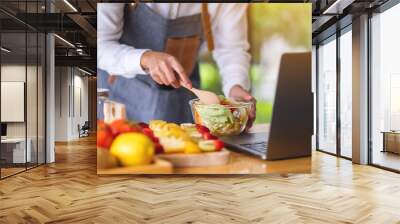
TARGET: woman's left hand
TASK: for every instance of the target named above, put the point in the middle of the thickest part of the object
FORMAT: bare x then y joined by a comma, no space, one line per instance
238,93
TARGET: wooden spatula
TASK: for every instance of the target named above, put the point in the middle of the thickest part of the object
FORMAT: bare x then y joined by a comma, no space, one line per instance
205,97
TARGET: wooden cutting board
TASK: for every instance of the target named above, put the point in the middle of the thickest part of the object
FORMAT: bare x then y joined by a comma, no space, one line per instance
159,166
197,159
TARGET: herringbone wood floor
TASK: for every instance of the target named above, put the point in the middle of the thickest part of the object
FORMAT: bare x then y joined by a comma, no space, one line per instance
69,191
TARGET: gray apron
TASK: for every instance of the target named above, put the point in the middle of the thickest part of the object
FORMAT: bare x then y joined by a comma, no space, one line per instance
145,99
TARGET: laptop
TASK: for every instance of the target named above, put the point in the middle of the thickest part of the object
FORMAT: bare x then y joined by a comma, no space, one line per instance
291,128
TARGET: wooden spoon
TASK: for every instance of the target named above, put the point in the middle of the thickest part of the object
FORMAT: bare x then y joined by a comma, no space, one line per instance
205,97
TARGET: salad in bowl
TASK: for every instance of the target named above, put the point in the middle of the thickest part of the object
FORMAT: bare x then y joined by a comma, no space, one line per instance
227,118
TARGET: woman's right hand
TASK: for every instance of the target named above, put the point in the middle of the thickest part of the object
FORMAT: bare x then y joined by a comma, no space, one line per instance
165,69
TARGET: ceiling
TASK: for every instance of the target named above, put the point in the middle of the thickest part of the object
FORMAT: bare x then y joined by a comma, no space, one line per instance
75,21
72,20
332,15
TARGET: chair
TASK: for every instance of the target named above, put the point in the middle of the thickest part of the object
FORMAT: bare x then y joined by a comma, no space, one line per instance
84,130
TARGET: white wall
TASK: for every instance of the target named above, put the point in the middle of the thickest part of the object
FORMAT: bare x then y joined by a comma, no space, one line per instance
12,73
33,127
80,110
71,94
61,103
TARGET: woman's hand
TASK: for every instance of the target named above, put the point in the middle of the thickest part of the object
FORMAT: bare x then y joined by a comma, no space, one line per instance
164,69
240,94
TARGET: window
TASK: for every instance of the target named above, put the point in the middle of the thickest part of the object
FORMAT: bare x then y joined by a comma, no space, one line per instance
385,89
22,77
13,147
333,137
346,93
327,96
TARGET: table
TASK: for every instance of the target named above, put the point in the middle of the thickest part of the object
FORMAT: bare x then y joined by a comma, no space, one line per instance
241,163
391,141
238,163
18,151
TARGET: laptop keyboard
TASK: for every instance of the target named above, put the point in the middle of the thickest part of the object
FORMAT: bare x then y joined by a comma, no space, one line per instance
259,146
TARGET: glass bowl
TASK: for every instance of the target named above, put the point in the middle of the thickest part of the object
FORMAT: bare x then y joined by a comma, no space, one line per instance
222,120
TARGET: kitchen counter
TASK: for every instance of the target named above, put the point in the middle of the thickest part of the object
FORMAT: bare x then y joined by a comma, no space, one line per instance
241,163
238,163
245,164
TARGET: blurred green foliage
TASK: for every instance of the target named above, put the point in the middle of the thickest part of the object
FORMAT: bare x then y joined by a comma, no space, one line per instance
263,112
264,108
291,21
210,78
255,74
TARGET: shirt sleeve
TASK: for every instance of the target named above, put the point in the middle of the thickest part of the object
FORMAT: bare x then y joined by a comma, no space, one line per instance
231,45
112,56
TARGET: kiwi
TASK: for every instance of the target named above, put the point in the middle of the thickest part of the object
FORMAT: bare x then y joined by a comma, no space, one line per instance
207,145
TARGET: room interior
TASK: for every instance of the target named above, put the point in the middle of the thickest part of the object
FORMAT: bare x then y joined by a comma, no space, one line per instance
48,92
335,74
22,101
26,107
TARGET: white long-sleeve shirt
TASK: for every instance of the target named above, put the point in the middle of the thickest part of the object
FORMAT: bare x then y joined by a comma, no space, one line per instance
229,27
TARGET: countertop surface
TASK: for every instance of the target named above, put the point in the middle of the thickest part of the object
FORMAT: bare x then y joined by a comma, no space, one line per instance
238,163
242,163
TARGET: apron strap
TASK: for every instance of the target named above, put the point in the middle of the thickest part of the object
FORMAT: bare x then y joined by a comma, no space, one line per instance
205,16
136,3
206,22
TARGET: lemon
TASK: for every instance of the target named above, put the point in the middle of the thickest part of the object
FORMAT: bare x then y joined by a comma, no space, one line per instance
133,149
191,147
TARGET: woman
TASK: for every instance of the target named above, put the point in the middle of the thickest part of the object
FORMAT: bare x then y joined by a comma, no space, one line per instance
151,49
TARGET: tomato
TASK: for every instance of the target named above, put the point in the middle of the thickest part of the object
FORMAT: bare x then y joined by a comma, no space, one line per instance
208,136
104,135
219,145
202,129
121,126
155,139
101,125
104,138
118,122
134,127
143,125
158,148
148,132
